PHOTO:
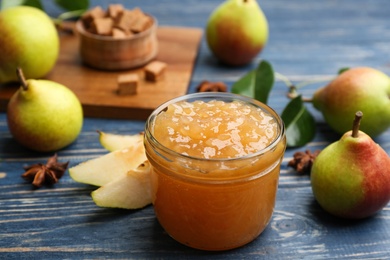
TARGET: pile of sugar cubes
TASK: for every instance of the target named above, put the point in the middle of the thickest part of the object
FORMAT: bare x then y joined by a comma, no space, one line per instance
116,21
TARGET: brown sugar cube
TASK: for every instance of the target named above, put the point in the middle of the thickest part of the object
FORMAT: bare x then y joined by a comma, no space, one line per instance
124,20
155,70
137,12
127,18
118,33
127,84
141,24
102,26
114,10
92,14
96,12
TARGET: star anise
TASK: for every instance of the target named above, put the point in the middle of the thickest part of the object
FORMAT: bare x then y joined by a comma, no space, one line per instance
303,161
49,173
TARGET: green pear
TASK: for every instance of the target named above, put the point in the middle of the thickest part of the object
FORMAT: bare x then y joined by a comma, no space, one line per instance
350,178
44,115
237,31
361,88
28,40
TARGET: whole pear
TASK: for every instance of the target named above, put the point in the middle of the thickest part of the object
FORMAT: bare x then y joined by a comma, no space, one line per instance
28,39
44,115
237,31
360,88
350,178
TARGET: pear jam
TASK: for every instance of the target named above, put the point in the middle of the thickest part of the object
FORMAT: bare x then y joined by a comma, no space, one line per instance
215,129
216,162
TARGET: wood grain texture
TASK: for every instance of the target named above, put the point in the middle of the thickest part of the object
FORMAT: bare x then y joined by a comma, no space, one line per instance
309,40
97,89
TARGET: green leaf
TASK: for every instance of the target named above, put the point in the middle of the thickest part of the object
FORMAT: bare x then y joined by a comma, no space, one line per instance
245,85
299,123
256,83
342,70
73,5
69,15
264,80
10,3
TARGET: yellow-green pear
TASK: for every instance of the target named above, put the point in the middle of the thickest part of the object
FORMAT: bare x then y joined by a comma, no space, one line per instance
28,39
44,115
237,31
350,178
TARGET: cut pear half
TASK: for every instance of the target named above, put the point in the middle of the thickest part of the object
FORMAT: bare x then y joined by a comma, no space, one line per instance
104,169
130,191
113,142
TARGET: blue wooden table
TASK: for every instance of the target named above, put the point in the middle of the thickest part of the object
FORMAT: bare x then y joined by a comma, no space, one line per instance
309,40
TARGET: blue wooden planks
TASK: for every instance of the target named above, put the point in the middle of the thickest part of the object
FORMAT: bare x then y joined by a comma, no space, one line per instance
308,40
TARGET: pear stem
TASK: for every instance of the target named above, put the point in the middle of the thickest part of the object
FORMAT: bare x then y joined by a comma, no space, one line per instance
356,124
22,79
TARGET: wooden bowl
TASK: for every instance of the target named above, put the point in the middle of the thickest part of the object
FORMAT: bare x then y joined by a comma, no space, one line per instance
108,53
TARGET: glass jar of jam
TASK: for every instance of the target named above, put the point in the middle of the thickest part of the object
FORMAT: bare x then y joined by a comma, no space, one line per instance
216,162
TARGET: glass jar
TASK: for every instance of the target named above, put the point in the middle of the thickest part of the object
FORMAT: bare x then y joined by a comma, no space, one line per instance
215,203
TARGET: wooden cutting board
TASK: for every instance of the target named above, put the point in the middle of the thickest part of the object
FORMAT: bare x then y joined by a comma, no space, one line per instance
96,89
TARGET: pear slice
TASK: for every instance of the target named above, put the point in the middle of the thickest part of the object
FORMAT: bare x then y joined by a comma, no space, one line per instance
113,142
130,191
106,168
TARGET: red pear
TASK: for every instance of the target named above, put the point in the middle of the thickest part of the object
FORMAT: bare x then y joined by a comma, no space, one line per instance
362,88
350,178
237,31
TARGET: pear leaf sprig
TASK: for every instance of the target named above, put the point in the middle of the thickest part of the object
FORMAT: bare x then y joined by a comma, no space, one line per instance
72,9
299,123
293,88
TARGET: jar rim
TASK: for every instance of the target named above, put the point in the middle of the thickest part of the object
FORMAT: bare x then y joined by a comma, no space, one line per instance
223,96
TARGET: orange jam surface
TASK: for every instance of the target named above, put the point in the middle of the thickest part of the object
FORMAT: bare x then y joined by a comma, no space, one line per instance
235,204
215,129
